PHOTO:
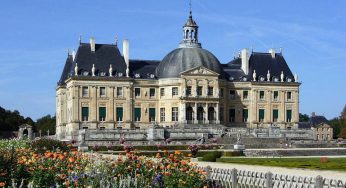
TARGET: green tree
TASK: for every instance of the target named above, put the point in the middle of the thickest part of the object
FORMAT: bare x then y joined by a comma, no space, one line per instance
337,126
303,117
10,121
46,123
343,114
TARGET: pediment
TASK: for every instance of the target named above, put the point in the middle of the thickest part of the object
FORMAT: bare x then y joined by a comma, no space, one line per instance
200,71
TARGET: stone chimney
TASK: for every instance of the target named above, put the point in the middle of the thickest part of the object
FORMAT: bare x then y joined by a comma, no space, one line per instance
92,44
272,52
313,114
126,55
245,60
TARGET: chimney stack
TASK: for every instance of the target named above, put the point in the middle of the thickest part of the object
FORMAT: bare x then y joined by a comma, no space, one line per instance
245,60
92,44
313,114
272,52
126,55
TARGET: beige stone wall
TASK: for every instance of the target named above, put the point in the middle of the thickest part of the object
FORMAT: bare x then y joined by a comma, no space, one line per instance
323,133
70,101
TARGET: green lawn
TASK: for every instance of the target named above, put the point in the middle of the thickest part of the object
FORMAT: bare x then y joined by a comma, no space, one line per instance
309,163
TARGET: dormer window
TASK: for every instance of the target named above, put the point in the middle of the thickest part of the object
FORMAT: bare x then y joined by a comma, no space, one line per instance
244,79
276,79
85,73
261,78
102,74
120,74
231,78
152,76
137,75
289,79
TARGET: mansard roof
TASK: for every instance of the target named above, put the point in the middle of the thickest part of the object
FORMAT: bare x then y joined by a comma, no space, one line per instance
261,62
316,120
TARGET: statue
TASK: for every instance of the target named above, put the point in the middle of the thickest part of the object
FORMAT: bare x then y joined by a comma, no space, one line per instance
239,138
239,145
282,76
268,76
93,70
76,70
217,92
296,77
127,72
254,75
110,70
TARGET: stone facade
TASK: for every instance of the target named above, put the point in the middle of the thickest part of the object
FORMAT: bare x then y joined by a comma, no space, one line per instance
323,131
202,95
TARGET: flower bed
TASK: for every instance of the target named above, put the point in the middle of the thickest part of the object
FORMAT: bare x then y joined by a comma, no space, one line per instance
74,169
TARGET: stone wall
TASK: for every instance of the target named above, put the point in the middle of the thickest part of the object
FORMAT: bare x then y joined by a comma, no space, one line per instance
294,152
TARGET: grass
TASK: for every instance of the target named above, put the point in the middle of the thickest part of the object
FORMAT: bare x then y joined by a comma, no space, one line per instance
322,163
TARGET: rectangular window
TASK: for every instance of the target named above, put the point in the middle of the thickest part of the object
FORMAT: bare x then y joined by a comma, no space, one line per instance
152,92
199,90
102,91
232,94
138,114
245,94
152,114
210,91
231,115
175,114
221,114
119,91
261,115
137,92
85,113
275,115
289,95
85,91
288,115
221,92
162,115
102,113
245,115
261,95
119,111
162,92
276,95
188,91
174,91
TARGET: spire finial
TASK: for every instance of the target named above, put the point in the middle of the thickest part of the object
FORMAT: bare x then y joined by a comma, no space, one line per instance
80,39
190,8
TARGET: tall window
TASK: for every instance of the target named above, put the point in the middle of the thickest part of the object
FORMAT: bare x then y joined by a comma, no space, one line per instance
276,95
152,114
119,91
119,111
261,115
85,113
289,95
85,91
152,92
245,94
162,114
138,114
188,91
102,113
261,95
210,91
162,92
275,115
221,92
199,90
175,114
137,92
102,91
232,115
245,115
288,115
174,91
232,94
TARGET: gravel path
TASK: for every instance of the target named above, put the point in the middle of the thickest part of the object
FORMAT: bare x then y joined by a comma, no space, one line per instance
339,175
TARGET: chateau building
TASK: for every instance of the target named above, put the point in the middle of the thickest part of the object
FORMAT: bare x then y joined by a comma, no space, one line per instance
100,88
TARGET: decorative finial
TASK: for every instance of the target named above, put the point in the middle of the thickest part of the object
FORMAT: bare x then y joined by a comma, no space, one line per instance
190,9
68,51
80,39
116,40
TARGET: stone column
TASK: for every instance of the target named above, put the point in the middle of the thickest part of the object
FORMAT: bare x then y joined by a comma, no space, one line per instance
195,114
217,115
93,106
183,113
111,113
206,113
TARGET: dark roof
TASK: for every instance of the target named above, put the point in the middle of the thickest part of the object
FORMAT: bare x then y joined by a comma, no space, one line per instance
261,62
143,67
183,59
316,120
304,125
104,55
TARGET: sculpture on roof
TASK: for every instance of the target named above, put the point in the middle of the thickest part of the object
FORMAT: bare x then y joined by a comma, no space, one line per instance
110,70
268,76
282,76
76,70
254,75
93,70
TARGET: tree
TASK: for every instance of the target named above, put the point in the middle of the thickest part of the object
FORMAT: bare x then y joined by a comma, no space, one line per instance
303,117
337,126
10,121
343,114
46,123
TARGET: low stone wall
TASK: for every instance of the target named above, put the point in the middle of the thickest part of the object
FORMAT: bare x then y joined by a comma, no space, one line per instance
251,142
295,152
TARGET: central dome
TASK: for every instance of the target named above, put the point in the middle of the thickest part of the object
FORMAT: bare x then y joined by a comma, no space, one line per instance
183,59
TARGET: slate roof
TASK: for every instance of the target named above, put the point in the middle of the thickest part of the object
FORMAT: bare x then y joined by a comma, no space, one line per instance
304,125
316,120
261,62
106,54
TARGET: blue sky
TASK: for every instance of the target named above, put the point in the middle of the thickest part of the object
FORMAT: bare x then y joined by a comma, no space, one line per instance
35,36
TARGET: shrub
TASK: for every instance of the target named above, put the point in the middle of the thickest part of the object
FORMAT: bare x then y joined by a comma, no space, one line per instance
232,153
211,157
44,144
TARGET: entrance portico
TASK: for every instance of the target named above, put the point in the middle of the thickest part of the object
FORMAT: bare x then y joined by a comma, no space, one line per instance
201,113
